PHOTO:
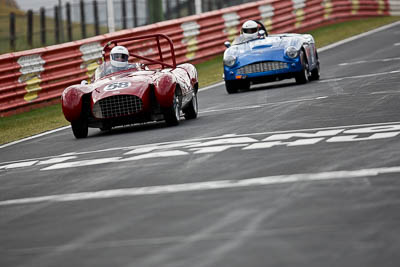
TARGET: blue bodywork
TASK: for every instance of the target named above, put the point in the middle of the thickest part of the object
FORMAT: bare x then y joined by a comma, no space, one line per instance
265,59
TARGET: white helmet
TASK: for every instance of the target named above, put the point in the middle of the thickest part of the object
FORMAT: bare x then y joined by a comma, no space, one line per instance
250,29
119,56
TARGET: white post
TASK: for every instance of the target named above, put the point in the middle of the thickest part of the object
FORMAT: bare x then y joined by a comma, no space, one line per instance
198,6
110,15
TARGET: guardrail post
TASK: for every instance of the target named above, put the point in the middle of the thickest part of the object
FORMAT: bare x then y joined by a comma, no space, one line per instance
205,5
83,19
56,25
198,7
190,7
179,8
155,11
134,13
219,4
69,21
43,26
61,24
96,18
167,14
123,7
110,16
12,31
30,28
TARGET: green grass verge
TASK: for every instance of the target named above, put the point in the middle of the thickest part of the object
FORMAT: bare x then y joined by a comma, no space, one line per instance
40,120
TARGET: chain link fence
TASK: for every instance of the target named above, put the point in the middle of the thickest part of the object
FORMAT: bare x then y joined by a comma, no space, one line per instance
86,18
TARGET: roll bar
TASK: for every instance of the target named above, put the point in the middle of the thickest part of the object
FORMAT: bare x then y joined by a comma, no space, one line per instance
107,48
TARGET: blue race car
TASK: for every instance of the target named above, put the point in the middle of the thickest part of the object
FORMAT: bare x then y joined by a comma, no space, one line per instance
268,58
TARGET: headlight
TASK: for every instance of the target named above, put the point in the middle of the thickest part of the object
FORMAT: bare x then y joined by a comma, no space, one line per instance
292,52
229,61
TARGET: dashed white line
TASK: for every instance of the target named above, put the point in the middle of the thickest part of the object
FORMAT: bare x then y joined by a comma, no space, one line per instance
360,76
203,186
263,105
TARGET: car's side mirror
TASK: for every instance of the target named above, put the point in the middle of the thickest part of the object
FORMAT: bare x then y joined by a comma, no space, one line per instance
261,32
227,44
84,82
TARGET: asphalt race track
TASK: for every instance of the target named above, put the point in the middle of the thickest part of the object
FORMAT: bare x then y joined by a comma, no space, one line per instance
282,175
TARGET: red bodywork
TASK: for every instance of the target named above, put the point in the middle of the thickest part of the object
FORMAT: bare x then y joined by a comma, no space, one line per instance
150,92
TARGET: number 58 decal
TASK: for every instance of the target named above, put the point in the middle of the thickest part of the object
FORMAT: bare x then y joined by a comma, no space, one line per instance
117,86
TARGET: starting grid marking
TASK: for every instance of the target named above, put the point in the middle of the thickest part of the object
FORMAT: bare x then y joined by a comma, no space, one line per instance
202,186
243,142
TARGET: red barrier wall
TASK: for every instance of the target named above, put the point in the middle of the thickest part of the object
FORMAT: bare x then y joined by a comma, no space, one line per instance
37,77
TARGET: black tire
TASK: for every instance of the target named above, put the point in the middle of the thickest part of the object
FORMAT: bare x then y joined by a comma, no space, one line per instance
234,86
315,73
231,87
80,128
302,76
173,113
244,85
190,112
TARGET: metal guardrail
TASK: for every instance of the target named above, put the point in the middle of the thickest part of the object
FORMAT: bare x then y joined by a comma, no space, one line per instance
37,77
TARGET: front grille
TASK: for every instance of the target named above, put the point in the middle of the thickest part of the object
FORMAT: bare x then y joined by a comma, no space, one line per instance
116,106
262,66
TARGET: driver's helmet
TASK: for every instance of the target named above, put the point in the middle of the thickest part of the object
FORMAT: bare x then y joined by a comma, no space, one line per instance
250,30
119,56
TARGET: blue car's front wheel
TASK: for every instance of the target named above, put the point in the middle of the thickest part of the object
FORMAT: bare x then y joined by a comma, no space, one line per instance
235,85
302,76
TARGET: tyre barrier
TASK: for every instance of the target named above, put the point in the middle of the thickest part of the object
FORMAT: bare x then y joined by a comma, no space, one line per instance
37,77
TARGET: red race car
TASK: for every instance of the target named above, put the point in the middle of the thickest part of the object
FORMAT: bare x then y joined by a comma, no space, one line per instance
125,91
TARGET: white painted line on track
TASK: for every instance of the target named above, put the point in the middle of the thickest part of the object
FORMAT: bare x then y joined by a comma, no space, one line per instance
263,105
385,92
369,61
358,36
359,76
34,136
203,186
179,143
211,86
325,48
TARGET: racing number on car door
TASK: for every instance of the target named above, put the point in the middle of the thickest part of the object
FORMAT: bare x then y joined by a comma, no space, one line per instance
117,86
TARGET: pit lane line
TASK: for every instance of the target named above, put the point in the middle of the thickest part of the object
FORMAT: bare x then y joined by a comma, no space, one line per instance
320,50
205,186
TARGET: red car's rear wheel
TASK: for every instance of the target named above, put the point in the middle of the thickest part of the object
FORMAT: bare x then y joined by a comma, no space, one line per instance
173,113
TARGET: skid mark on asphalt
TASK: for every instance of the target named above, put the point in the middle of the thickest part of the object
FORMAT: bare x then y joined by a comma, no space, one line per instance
204,186
162,256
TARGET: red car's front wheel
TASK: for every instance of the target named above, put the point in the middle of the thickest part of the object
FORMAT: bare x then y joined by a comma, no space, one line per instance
80,128
190,112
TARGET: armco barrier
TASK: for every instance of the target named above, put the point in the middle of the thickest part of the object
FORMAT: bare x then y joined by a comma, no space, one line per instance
37,77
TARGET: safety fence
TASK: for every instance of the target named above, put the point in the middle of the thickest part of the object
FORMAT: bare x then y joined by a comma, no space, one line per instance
79,19
33,78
